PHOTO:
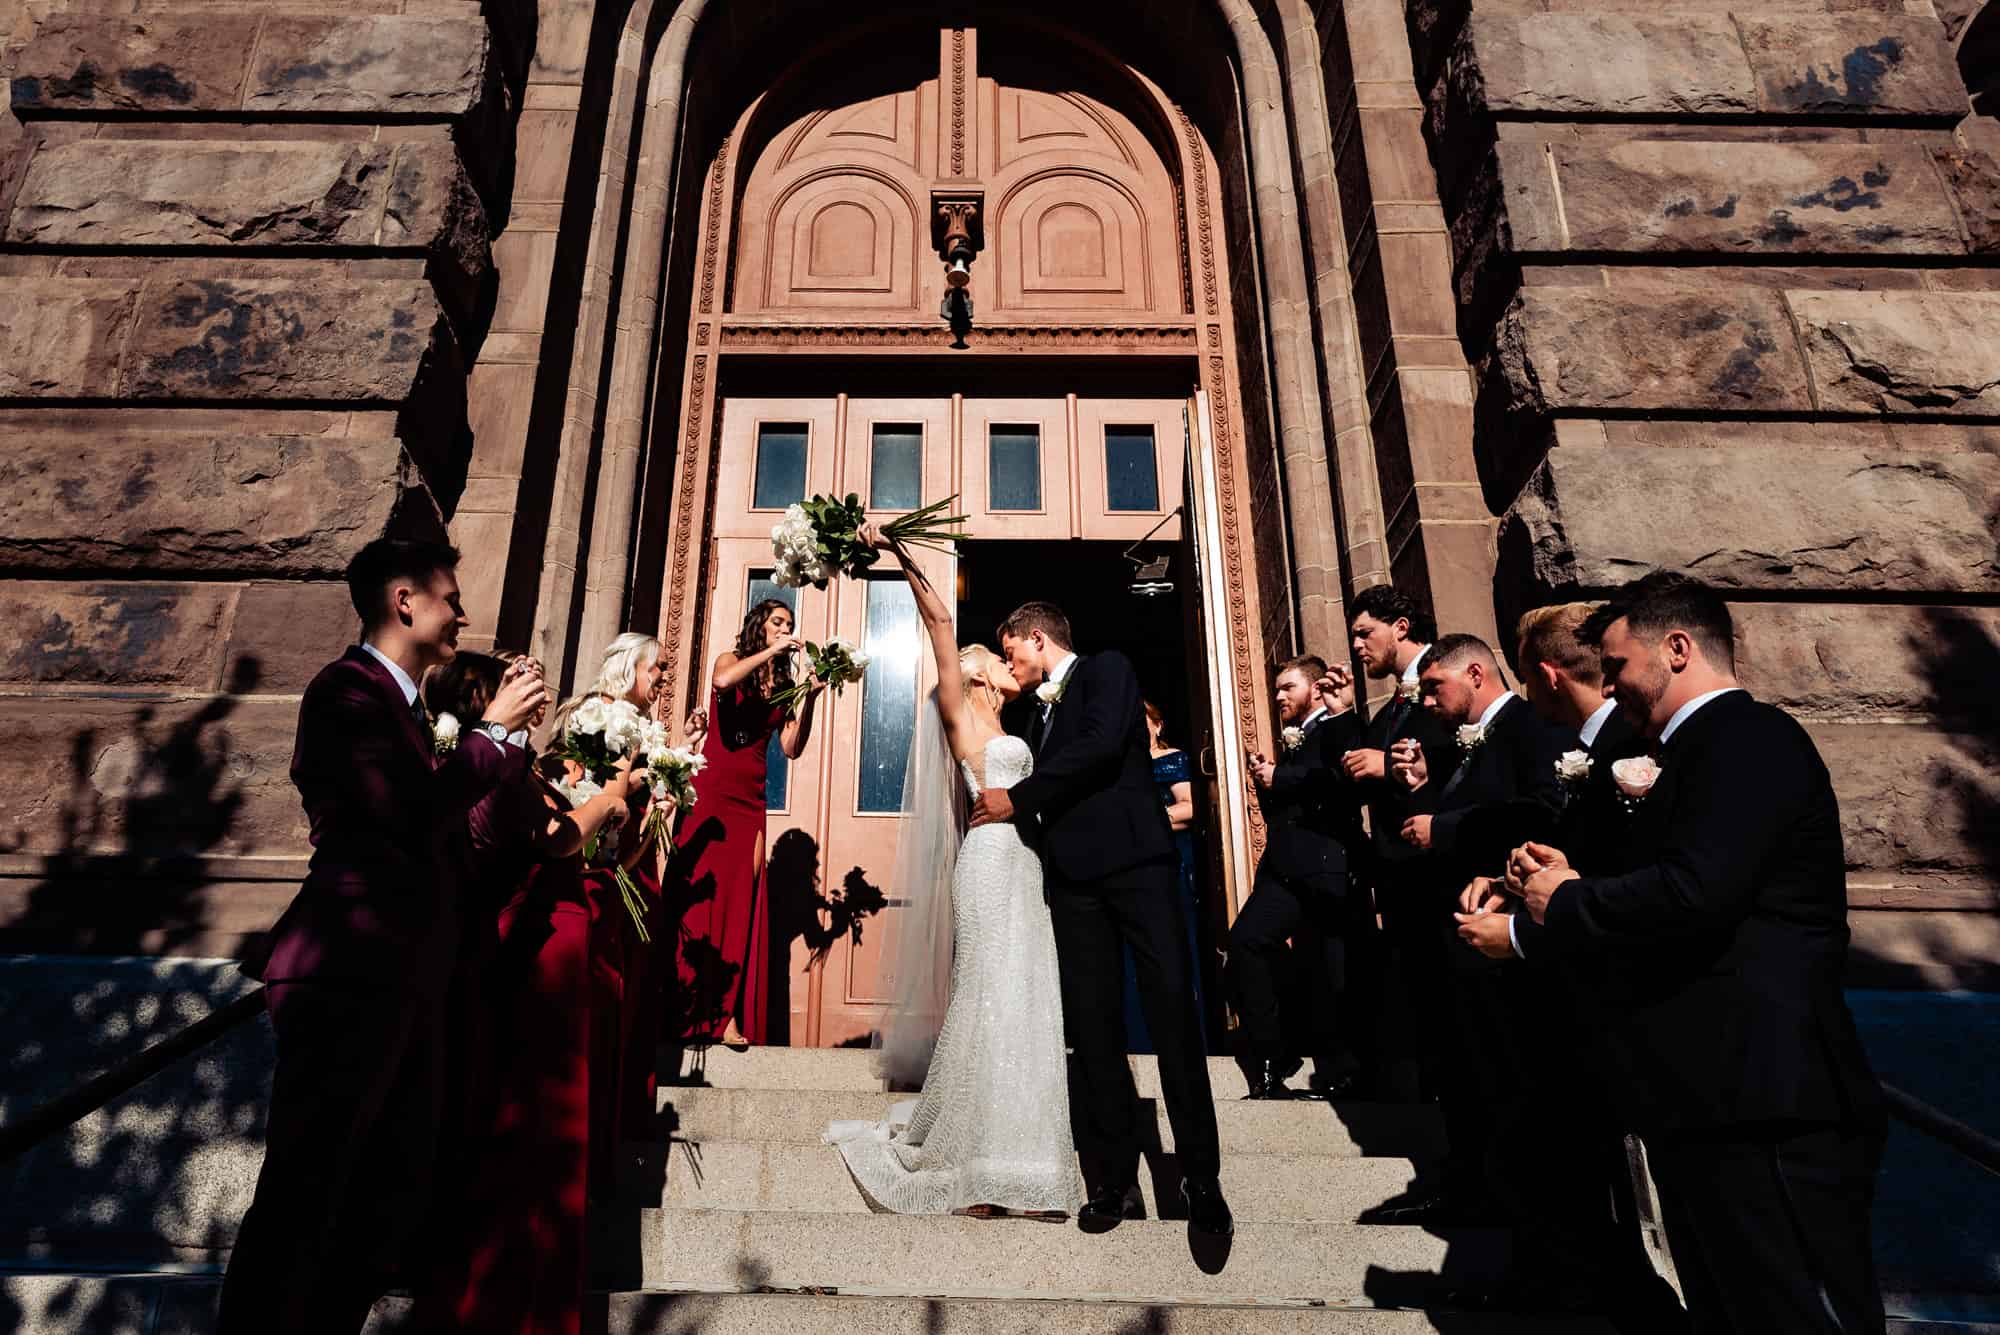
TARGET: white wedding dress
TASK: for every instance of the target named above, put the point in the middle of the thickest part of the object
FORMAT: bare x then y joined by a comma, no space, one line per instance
992,1124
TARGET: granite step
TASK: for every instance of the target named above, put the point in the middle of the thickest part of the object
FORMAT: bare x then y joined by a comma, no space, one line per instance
649,1312
1139,1261
854,1069
784,1175
1302,1127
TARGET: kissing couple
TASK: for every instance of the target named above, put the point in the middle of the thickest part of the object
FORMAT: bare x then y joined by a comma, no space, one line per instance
1025,865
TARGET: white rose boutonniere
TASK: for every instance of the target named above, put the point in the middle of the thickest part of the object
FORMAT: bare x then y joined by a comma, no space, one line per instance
1410,692
1293,738
444,733
1574,767
1470,736
1051,692
1635,777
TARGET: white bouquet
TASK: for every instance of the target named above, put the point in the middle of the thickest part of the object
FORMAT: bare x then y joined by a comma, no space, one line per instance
1470,736
597,736
821,537
837,662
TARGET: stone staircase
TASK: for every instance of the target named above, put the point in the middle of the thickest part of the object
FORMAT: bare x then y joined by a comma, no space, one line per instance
749,1223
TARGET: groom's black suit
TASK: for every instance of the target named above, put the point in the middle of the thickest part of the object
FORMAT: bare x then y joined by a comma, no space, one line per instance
1112,873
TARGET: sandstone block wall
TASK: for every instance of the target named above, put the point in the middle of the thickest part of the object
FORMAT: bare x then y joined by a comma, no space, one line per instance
246,261
1727,278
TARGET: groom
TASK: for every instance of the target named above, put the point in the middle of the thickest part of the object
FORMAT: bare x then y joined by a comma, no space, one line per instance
1112,878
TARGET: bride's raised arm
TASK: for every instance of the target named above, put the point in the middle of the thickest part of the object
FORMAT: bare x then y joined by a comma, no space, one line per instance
943,635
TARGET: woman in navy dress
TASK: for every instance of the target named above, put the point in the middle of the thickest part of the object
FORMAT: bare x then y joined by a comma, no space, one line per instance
1173,776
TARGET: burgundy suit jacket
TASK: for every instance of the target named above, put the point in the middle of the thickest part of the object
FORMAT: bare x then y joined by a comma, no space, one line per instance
380,902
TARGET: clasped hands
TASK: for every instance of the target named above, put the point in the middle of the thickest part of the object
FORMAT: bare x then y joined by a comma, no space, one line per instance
1534,870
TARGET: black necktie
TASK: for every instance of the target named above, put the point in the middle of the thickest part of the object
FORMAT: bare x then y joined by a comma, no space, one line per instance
1039,732
423,715
1398,712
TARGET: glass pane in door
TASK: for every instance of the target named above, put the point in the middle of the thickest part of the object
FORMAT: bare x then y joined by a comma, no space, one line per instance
1131,469
781,464
777,769
1014,466
893,641
896,467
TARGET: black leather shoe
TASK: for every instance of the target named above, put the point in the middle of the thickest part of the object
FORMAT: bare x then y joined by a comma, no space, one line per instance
1330,1087
1109,1208
1207,1211
1267,1079
1437,1210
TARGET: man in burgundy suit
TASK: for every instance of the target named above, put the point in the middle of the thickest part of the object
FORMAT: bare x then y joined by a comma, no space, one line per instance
359,962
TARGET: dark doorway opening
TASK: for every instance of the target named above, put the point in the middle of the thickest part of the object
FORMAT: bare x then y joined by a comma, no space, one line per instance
1093,582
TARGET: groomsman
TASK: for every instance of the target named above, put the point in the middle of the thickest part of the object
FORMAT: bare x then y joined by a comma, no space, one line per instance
1734,1050
1302,886
1390,633
1506,780
1558,1160
360,961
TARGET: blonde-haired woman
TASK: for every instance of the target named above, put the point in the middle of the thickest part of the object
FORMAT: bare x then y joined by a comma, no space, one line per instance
991,1133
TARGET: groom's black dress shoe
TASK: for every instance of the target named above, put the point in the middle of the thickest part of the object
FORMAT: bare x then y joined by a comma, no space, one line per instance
1109,1208
1207,1211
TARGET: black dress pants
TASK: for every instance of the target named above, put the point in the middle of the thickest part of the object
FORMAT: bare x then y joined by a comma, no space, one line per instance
1093,921
351,1145
1314,923
1769,1227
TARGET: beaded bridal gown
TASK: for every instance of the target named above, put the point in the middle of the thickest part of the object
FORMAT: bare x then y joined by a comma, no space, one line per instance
992,1124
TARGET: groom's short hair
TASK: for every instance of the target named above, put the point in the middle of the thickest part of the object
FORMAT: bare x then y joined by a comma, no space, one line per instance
387,561
1044,617
1654,604
1456,651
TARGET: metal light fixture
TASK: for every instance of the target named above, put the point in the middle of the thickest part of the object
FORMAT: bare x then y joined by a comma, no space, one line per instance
1149,577
958,234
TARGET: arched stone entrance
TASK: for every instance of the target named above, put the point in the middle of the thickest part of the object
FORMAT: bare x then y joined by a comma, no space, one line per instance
813,344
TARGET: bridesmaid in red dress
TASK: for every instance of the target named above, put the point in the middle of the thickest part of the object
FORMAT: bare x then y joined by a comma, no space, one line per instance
717,869
511,1240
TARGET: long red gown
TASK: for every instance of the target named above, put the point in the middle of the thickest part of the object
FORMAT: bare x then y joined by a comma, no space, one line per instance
717,882
513,1251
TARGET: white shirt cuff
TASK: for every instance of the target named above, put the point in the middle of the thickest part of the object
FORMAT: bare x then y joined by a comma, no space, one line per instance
1513,936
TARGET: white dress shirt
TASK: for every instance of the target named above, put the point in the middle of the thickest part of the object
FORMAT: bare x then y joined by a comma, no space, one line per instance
409,689
403,680
1057,678
1487,716
1593,725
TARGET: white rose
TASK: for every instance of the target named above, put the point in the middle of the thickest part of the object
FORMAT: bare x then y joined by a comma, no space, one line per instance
623,726
1635,775
653,737
786,575
1293,738
1574,767
841,642
1470,736
860,661
816,571
444,732
581,791
1412,692
588,718
1050,692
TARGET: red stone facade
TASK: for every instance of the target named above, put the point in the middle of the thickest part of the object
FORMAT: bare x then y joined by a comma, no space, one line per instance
1500,299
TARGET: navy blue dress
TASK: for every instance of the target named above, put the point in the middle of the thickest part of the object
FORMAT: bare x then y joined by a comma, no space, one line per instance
1168,770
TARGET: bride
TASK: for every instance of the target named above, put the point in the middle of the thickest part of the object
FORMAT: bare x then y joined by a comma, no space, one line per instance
990,1134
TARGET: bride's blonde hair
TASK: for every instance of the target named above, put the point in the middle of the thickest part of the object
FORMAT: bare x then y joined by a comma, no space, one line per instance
975,659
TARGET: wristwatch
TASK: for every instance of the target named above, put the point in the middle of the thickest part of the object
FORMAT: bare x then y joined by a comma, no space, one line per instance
497,731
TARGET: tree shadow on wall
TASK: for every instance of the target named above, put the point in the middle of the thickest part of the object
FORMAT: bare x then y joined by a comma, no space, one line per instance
163,1172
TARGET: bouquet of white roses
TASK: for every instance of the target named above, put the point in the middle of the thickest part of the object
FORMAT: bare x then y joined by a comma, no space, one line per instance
820,538
598,735
670,772
837,662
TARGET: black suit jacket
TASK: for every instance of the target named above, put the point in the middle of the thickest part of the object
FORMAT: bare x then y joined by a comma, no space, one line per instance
1093,782
1594,831
1505,791
1389,803
1729,934
1313,820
